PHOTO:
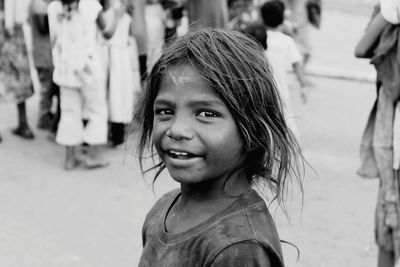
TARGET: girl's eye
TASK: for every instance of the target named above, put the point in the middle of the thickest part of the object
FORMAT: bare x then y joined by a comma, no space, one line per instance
207,114
163,112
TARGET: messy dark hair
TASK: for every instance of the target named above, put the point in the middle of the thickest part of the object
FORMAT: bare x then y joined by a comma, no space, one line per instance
235,66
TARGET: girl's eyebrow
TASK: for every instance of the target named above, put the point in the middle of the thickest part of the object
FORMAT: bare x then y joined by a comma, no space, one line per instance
208,103
163,102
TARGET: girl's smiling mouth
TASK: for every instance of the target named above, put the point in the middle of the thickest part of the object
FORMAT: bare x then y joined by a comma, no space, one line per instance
180,158
176,154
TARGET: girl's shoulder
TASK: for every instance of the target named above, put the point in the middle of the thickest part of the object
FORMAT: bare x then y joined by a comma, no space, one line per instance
163,203
247,222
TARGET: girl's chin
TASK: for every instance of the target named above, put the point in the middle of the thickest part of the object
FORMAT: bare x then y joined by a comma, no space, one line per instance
185,180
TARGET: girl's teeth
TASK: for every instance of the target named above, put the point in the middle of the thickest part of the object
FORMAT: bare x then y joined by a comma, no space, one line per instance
179,153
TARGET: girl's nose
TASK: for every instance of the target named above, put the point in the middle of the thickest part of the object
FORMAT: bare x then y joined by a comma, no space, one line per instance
180,129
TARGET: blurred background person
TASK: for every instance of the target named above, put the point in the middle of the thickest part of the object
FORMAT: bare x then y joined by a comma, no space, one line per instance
74,28
42,59
299,14
177,23
121,67
241,14
378,151
15,73
283,55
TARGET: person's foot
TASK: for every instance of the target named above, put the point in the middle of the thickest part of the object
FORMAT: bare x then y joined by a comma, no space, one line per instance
95,162
23,132
71,164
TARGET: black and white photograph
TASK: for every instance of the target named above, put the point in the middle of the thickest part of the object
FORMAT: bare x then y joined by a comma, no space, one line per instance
199,133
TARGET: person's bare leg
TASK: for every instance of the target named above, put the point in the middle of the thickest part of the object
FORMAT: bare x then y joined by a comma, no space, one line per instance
71,158
93,158
385,258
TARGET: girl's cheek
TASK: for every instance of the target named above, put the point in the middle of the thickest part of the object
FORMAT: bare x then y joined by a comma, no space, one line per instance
156,135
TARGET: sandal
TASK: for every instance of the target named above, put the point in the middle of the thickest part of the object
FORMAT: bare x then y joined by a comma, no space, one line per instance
23,132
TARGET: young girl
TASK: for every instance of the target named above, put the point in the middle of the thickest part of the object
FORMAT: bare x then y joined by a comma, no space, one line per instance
74,29
212,112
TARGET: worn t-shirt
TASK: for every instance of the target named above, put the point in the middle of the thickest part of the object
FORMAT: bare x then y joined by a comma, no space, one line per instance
243,234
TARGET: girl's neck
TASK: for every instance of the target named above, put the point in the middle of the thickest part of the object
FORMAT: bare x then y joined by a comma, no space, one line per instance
214,190
199,202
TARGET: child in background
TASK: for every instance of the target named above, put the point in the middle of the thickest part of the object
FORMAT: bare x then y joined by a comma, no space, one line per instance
122,74
41,50
155,23
78,71
283,54
177,23
301,27
212,112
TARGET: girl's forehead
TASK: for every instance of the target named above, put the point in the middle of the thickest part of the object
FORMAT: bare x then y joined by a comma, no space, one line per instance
185,80
183,74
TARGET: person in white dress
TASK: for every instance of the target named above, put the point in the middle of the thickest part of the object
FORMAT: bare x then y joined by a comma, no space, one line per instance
74,28
121,68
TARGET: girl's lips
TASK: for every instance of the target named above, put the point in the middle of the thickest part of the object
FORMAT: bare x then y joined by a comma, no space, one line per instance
181,161
179,154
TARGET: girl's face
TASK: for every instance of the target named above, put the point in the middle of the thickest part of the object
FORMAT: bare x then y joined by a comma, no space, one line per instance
193,130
